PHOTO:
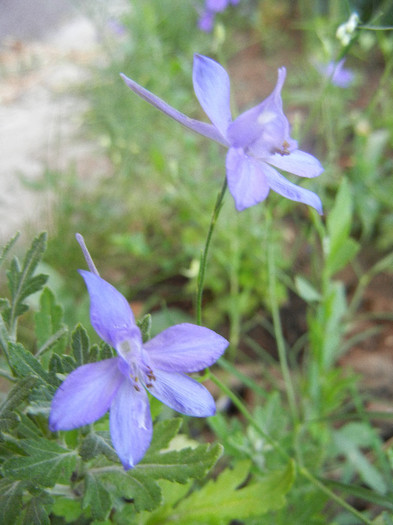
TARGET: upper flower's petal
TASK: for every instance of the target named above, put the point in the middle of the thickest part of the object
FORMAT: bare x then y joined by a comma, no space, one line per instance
185,348
298,162
203,128
110,313
183,394
85,395
130,424
263,129
281,185
246,180
216,5
206,21
212,88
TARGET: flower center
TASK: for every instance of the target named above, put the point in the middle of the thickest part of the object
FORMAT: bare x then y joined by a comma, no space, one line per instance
136,364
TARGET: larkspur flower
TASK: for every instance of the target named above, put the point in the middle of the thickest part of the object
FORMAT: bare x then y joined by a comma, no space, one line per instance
119,384
258,140
337,74
206,19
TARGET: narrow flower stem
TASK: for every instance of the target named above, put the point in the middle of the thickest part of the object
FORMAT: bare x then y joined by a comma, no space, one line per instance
203,263
247,415
281,347
323,488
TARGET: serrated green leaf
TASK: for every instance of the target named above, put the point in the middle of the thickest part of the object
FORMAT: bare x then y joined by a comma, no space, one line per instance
36,510
21,280
4,251
219,502
164,432
97,443
80,345
47,463
18,393
145,327
8,421
24,364
10,500
96,497
4,337
27,428
179,465
49,328
144,493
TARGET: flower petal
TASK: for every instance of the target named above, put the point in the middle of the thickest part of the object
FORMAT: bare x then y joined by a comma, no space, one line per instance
281,185
246,180
110,313
85,395
183,394
263,129
130,424
212,88
185,348
203,128
298,162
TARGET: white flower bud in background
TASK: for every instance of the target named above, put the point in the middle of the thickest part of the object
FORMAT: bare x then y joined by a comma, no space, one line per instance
345,31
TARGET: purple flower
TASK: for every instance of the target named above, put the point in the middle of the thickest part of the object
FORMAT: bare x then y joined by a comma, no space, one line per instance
206,19
258,140
119,384
337,74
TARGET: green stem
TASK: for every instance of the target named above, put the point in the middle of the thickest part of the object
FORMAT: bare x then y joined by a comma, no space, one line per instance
203,263
278,333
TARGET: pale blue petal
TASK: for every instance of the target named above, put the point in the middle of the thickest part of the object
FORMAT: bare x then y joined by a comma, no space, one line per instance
203,128
185,348
212,88
246,180
183,394
130,424
110,313
281,185
85,395
298,162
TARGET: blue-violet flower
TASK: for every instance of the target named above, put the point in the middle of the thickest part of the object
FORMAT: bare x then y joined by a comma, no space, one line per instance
206,19
258,140
119,384
337,74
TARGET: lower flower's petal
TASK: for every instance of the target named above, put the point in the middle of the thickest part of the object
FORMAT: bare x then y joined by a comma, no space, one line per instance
281,185
246,180
185,348
110,313
130,424
85,395
298,162
183,394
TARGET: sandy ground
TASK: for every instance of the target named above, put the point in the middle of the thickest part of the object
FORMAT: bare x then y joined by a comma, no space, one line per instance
43,58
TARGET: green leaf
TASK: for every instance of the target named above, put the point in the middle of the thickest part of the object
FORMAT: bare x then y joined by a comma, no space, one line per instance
144,493
179,465
22,282
8,419
164,432
24,364
80,345
4,251
96,497
145,327
10,500
47,463
49,328
97,443
4,337
219,502
69,509
341,249
305,290
37,511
